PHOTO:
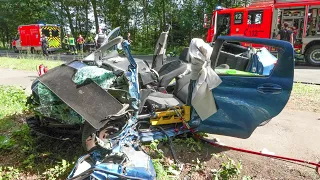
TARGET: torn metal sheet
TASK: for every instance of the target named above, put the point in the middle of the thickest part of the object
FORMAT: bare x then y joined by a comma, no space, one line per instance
89,100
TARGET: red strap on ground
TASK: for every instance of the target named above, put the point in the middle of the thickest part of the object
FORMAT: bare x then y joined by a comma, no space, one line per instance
259,153
249,151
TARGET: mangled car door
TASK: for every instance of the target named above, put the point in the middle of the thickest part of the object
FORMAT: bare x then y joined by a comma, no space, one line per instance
113,34
256,85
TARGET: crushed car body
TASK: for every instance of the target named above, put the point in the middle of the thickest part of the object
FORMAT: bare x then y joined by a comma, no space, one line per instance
116,102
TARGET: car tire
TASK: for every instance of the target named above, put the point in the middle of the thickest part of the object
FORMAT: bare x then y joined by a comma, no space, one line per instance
15,49
312,55
86,132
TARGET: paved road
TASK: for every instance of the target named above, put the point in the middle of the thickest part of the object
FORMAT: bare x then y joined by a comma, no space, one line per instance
18,78
307,74
303,73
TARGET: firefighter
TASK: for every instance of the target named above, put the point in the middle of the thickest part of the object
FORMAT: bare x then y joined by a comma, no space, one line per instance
72,45
286,34
99,39
44,45
80,42
66,42
129,38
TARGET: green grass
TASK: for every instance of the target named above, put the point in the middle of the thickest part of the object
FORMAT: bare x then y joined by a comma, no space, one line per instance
28,63
12,101
306,89
23,155
305,97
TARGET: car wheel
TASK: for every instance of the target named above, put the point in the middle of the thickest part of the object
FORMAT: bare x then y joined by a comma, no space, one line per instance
313,55
86,132
15,49
110,130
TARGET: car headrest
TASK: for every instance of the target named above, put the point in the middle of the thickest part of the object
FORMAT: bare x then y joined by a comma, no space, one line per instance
184,56
216,53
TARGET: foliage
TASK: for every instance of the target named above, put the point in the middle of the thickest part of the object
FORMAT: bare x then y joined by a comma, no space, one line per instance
33,154
6,142
30,64
154,147
164,170
145,20
194,144
8,173
198,165
57,170
228,169
12,100
160,169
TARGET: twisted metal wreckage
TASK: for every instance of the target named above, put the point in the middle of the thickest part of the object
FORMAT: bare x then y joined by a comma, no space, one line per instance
117,101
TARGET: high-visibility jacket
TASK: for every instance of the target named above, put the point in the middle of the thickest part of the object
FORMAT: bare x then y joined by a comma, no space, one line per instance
71,41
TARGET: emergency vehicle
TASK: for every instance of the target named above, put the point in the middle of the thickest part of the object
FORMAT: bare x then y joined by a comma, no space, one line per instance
264,18
29,37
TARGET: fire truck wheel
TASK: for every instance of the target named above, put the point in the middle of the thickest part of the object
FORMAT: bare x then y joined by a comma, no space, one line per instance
15,49
313,55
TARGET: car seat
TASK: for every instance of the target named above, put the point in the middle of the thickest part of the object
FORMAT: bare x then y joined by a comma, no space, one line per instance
169,71
158,100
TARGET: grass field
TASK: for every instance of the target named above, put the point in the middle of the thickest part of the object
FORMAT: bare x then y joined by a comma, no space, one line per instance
305,97
28,63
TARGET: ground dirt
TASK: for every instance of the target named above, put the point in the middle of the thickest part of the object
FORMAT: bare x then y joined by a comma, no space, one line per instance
255,167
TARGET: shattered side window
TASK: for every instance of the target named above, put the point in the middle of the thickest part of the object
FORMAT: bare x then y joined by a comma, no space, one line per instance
247,59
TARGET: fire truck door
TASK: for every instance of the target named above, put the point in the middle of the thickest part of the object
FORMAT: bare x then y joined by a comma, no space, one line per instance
223,24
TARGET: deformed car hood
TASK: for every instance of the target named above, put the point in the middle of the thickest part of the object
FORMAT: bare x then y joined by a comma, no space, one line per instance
89,100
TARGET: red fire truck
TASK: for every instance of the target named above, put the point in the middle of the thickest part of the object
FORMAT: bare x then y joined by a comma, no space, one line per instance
28,37
263,19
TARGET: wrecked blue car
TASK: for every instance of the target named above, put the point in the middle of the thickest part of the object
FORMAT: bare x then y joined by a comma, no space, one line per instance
116,101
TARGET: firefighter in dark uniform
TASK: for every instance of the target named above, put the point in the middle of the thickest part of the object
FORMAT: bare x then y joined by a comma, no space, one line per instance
66,43
286,34
99,39
44,45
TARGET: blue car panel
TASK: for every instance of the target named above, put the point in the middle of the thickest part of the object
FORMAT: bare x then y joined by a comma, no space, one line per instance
244,102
